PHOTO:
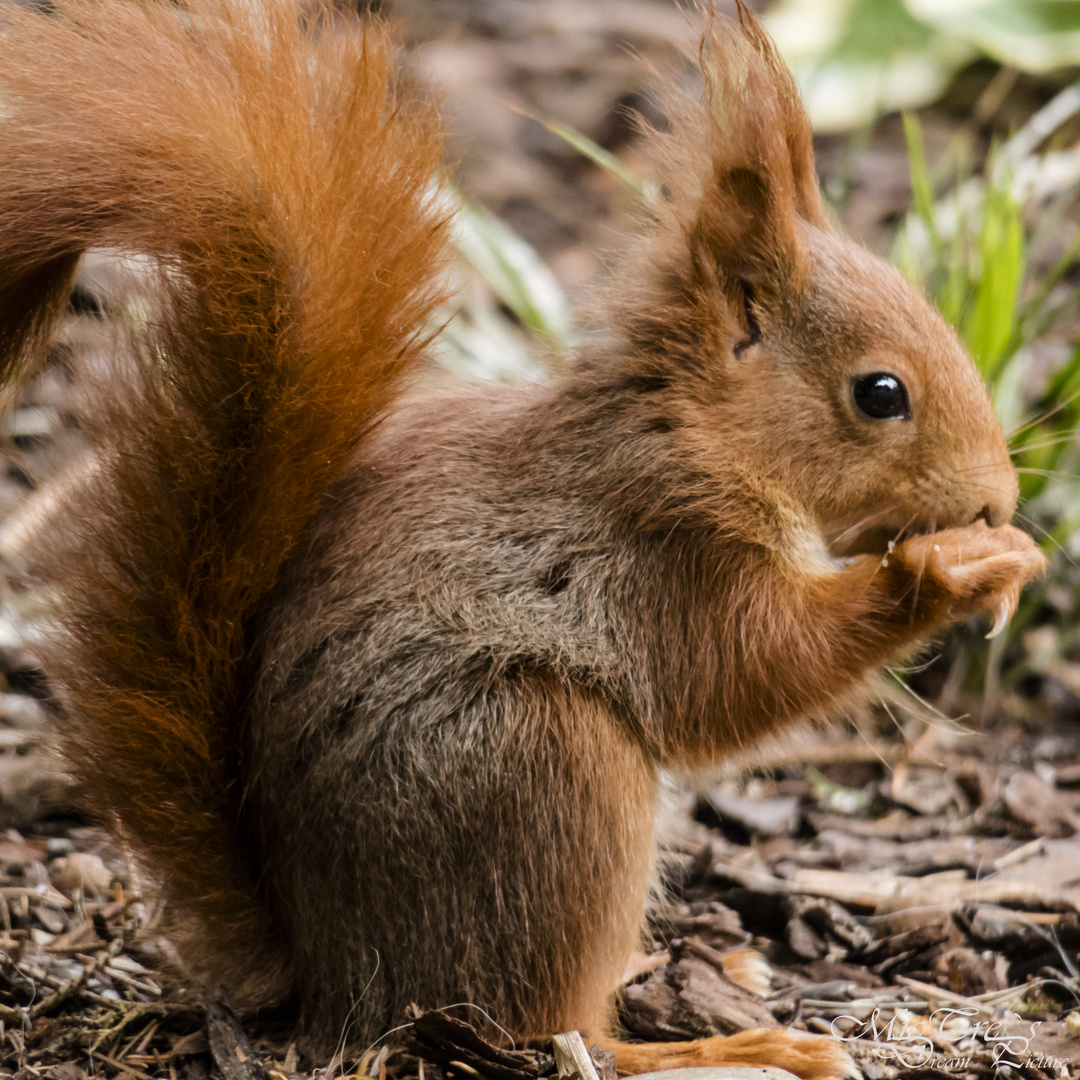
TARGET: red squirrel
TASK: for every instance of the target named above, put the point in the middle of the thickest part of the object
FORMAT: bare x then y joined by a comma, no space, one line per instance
378,685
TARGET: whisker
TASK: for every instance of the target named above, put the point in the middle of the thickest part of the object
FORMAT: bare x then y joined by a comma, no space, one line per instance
919,575
975,469
869,519
1033,523
1058,474
896,723
1047,535
933,716
1066,437
993,488
1045,416
901,673
862,735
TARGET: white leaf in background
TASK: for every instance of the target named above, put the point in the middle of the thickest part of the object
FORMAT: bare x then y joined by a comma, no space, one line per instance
857,59
1033,35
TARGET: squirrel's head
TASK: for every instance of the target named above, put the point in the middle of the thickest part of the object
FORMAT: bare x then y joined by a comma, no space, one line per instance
785,352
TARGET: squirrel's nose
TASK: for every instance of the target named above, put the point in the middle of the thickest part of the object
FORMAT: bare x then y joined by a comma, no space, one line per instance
999,488
998,513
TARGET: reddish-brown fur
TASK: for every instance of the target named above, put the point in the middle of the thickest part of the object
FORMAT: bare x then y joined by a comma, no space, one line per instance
385,704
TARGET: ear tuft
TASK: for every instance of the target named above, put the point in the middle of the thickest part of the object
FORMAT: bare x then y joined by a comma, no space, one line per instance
797,131
753,156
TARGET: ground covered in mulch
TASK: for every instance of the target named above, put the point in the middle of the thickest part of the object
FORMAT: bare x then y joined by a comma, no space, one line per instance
917,898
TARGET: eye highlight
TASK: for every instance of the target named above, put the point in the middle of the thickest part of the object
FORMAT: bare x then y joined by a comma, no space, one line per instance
880,396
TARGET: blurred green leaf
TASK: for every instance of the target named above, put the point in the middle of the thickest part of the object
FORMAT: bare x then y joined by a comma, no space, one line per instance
837,797
857,59
991,322
509,318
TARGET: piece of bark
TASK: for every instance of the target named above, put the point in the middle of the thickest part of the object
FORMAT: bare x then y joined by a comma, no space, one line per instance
1048,879
604,1062
920,937
229,1046
1037,807
815,923
445,1040
968,972
691,999
710,922
914,858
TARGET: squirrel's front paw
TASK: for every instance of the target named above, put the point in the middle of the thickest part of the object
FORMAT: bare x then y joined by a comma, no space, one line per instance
963,571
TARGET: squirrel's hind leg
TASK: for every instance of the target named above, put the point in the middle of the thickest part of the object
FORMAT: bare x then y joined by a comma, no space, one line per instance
490,844
590,843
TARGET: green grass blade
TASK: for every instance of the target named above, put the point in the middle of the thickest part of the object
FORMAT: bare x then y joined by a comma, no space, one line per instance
991,325
514,272
921,188
604,158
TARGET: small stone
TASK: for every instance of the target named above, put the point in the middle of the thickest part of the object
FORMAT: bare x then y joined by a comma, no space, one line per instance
80,872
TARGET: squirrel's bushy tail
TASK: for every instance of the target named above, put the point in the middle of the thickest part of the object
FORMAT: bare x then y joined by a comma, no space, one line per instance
280,179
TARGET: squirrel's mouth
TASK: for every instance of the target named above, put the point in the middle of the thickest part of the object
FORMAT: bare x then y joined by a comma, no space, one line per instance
875,532
870,542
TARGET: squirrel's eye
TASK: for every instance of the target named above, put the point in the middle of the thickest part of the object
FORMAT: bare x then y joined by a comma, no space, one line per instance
881,396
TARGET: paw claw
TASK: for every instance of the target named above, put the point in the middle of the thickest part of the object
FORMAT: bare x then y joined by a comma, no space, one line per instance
1003,612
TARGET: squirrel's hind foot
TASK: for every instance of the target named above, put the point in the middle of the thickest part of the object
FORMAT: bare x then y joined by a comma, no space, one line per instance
810,1057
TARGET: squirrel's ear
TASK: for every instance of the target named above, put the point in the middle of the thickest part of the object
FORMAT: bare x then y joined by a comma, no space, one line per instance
745,229
759,175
